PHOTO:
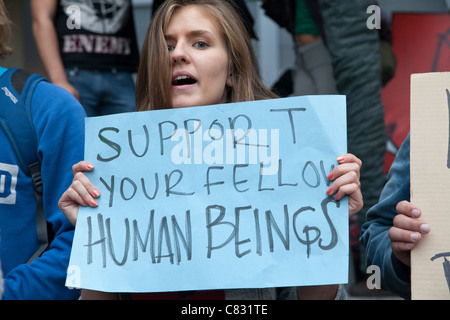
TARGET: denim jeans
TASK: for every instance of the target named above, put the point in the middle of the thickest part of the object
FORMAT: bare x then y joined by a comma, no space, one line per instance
104,92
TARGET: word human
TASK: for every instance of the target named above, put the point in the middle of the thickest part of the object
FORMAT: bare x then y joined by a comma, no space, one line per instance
245,231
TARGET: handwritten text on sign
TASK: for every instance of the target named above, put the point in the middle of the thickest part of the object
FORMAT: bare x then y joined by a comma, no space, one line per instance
225,196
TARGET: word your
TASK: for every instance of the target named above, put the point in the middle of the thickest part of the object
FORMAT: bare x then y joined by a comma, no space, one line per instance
374,21
167,240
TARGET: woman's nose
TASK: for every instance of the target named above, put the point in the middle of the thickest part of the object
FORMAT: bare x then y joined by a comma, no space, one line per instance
179,54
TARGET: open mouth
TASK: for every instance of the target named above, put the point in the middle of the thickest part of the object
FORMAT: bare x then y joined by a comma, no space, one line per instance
183,80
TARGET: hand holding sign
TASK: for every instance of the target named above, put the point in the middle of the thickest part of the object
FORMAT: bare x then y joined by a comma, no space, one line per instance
407,231
346,182
81,192
177,213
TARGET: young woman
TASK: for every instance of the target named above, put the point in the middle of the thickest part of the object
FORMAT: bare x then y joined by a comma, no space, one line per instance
197,52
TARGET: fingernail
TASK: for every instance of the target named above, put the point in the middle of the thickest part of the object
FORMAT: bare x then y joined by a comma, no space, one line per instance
96,193
328,191
340,159
90,166
330,176
415,213
424,228
414,237
337,197
94,203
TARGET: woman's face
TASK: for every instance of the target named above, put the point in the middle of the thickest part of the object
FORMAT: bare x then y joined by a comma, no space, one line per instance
199,58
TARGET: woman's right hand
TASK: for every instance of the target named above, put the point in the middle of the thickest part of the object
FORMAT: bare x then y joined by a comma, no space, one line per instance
81,192
407,231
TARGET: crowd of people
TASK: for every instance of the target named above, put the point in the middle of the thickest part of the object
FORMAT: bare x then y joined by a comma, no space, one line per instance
90,73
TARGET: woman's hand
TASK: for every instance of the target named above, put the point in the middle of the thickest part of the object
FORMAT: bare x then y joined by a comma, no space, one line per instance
407,231
345,179
81,192
69,87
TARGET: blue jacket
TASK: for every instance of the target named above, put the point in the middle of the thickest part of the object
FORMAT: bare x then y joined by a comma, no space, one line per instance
58,120
395,276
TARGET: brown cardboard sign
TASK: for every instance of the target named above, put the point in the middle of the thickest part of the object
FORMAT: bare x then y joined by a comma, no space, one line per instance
430,183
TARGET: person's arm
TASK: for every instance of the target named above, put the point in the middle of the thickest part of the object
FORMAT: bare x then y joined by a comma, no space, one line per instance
395,275
43,13
60,132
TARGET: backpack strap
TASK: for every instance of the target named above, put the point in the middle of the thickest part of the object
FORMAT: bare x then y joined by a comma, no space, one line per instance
16,121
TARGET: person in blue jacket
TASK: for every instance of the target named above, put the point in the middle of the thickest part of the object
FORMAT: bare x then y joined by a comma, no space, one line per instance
393,229
58,120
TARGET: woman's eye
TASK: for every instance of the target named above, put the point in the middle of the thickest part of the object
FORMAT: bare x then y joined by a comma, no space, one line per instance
200,45
170,47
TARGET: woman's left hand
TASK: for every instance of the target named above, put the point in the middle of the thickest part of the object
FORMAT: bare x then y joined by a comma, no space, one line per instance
345,179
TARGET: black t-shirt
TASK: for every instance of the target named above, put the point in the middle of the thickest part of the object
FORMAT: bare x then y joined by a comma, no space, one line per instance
97,34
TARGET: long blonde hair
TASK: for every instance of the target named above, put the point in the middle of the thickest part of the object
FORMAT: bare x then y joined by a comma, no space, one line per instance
155,71
5,32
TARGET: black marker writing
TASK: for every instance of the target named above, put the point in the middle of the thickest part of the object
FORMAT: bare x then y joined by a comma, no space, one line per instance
241,139
445,264
291,119
128,188
276,228
110,143
147,142
159,248
187,132
162,138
